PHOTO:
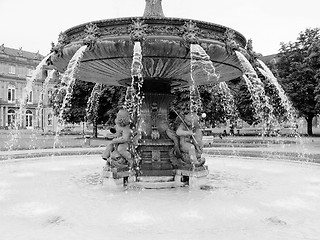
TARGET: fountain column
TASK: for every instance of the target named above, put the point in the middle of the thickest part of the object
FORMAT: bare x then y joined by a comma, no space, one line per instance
156,147
153,9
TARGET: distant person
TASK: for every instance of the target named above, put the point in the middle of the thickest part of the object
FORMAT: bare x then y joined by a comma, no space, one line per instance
232,130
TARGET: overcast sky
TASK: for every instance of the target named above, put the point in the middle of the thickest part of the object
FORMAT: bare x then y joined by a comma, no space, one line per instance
34,24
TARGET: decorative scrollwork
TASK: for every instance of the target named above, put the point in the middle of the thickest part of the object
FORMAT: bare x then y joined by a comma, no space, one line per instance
138,31
92,34
211,35
231,44
190,33
116,31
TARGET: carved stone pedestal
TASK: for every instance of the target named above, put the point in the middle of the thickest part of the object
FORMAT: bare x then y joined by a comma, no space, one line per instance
156,157
160,165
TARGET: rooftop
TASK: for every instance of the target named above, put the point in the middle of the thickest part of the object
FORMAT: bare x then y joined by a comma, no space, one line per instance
19,53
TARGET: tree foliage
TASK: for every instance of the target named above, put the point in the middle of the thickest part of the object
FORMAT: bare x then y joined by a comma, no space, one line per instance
110,100
314,61
243,100
298,71
217,102
75,110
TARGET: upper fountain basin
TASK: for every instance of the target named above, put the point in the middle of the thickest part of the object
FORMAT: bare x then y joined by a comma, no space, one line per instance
165,50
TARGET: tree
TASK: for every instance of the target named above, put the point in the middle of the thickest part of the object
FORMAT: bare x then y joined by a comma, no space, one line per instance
103,105
314,61
243,100
75,109
298,73
216,101
110,100
78,103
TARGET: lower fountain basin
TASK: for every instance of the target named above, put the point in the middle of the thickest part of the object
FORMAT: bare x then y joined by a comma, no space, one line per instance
242,199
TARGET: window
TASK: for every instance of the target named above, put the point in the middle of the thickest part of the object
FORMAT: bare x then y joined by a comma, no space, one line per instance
49,95
11,93
20,71
12,69
50,119
2,68
11,117
29,72
29,97
28,118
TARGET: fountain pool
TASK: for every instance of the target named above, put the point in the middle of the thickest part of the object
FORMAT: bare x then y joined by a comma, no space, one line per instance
62,198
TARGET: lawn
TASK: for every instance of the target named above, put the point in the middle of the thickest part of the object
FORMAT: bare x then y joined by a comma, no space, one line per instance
28,139
38,141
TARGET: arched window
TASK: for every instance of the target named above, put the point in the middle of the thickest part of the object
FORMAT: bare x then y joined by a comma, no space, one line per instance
28,118
11,93
11,117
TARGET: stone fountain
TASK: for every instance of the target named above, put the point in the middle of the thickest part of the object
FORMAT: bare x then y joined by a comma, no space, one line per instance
151,149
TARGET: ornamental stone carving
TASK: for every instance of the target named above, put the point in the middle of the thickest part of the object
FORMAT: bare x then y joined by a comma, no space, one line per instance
231,44
190,33
92,34
138,31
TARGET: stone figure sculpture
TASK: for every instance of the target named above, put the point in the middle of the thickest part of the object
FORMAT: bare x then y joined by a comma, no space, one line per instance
191,144
117,153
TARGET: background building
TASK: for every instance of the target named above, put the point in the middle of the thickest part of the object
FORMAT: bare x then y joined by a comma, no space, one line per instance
16,65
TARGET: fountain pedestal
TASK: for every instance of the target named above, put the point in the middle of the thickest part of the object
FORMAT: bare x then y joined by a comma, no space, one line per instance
157,145
157,157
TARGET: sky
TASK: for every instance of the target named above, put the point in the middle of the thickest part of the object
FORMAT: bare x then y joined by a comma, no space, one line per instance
34,24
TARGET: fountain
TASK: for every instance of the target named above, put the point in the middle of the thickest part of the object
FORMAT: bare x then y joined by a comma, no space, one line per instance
152,55
242,198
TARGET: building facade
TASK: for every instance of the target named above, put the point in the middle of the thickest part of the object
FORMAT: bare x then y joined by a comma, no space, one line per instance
16,66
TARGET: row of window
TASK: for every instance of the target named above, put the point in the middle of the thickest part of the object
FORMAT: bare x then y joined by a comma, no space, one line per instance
12,115
16,70
12,95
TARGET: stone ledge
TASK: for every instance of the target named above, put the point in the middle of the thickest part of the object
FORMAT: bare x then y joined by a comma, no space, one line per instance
294,156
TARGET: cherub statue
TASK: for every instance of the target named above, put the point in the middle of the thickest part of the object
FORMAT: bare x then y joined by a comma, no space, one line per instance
117,153
191,143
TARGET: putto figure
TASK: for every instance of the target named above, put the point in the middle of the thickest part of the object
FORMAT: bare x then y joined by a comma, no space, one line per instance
191,143
117,153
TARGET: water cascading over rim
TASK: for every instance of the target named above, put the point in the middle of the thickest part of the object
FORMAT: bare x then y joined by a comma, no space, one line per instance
165,48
